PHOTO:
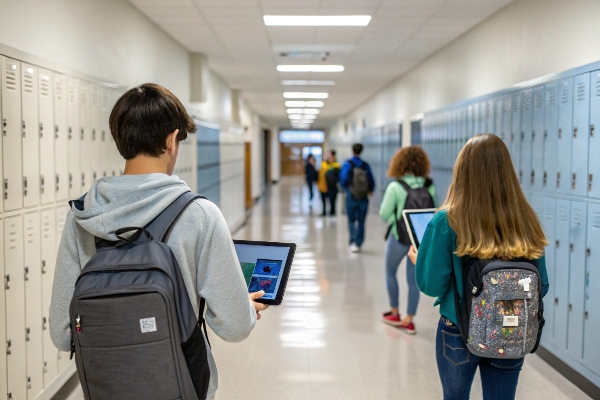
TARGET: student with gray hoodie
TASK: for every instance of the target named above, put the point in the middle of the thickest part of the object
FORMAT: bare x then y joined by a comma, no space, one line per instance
147,123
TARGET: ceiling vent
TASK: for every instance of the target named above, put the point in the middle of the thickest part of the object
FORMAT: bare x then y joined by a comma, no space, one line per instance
323,55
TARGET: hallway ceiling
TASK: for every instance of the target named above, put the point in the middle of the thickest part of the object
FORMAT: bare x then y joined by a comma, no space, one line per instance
245,52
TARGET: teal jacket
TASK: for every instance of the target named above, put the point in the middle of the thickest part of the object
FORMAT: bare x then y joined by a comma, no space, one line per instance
394,198
437,261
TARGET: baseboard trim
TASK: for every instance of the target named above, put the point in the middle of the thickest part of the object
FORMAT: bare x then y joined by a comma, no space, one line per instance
575,377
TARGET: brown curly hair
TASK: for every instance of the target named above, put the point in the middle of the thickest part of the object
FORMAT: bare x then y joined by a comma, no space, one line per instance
411,159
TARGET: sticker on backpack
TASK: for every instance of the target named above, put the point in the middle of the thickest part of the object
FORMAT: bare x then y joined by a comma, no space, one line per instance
148,325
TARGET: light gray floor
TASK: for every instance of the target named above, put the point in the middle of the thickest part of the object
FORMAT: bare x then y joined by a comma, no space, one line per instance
326,341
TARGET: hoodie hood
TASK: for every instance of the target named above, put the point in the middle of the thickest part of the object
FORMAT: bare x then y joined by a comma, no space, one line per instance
128,200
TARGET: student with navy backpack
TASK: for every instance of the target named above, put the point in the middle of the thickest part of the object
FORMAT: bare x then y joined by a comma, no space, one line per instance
139,259
482,257
411,189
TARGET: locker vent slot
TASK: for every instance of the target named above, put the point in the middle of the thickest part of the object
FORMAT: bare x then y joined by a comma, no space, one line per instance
527,102
83,96
105,99
45,86
58,89
564,95
581,91
551,99
28,83
499,108
596,221
577,217
562,215
95,97
484,112
11,80
537,101
490,109
598,88
517,104
549,214
507,105
72,93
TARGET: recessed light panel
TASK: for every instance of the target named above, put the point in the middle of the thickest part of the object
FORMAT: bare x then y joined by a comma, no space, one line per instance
307,83
317,20
313,111
298,104
305,95
310,68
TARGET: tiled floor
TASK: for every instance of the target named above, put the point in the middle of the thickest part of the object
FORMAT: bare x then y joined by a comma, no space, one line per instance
326,340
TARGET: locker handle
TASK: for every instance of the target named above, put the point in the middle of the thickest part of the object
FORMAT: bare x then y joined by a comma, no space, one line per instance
45,369
556,300
27,334
574,180
70,132
8,346
571,247
545,178
522,135
28,382
589,252
42,183
575,132
558,179
545,133
533,133
592,130
557,244
23,129
6,281
25,186
532,176
93,134
590,179
41,130
5,189
56,131
103,135
570,307
586,315
44,322
43,266
26,274
82,132
560,133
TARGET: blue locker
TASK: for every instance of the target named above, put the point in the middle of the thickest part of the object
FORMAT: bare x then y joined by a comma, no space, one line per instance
581,135
475,123
561,282
591,355
577,248
565,127
550,137
464,133
471,121
594,146
537,139
549,225
526,129
499,104
515,130
490,127
482,124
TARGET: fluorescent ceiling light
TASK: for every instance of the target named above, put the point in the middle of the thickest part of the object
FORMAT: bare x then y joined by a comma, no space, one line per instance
310,68
313,111
295,116
305,95
317,20
307,83
297,104
309,116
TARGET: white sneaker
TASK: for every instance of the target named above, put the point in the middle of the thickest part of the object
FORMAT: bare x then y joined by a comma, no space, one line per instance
354,248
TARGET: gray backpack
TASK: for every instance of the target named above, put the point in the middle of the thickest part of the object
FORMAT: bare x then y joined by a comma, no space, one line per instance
359,187
501,313
135,334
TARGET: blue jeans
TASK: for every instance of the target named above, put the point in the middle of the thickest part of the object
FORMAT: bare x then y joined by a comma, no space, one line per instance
457,367
394,253
357,213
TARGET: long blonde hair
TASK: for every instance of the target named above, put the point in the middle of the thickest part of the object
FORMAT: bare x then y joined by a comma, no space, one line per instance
487,208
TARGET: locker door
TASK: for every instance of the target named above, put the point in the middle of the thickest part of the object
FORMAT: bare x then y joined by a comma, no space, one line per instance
525,139
550,137
581,135
85,131
565,143
61,137
549,225
15,307
506,120
594,147
537,137
515,131
577,248
50,362
498,117
3,372
11,134
490,117
591,355
33,304
561,283
96,138
74,135
47,172
61,215
482,118
105,133
31,139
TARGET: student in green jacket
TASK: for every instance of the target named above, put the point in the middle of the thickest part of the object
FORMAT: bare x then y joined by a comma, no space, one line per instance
410,165
485,216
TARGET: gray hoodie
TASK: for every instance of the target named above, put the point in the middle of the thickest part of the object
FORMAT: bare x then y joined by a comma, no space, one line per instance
200,240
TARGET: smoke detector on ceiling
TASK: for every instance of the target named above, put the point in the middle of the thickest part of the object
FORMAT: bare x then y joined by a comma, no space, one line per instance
306,54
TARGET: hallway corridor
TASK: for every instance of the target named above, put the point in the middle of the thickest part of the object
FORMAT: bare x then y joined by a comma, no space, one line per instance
326,340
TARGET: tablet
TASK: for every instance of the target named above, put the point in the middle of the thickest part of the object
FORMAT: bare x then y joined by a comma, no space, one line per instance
266,266
416,222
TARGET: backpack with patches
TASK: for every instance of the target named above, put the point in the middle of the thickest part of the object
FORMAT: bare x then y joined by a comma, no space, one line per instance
501,313
135,334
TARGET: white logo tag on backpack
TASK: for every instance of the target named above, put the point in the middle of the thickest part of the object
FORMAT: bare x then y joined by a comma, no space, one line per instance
511,321
148,325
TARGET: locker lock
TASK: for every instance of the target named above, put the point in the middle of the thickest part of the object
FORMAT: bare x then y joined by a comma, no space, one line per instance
557,244
8,347
545,133
570,307
27,334
545,178
574,180
82,132
41,130
571,247
522,135
575,132
57,181
45,367
6,281
592,130
93,134
520,175
42,184
28,382
56,131
586,315
26,274
588,252
590,179
558,179
556,300
70,132
532,176
5,189
560,133
43,266
23,128
44,322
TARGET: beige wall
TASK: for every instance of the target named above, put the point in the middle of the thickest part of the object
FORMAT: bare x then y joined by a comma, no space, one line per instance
525,40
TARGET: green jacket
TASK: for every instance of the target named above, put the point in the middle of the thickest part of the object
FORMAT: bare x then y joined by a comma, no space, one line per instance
437,260
395,198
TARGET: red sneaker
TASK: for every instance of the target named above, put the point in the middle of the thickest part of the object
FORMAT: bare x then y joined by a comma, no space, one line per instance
408,329
391,319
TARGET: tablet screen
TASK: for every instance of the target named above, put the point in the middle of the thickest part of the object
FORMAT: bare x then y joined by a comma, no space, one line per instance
419,223
262,267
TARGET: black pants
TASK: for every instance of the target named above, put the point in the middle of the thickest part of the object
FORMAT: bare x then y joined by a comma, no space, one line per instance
332,196
310,189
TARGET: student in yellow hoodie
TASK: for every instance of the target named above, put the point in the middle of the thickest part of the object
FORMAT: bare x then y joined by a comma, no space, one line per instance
327,182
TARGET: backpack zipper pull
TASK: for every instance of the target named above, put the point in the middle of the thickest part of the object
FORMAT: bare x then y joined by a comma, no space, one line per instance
78,324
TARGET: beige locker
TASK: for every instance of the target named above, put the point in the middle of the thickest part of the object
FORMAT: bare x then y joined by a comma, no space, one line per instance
33,304
3,382
14,272
50,361
61,137
11,134
46,105
61,215
30,130
85,108
118,163
96,137
74,135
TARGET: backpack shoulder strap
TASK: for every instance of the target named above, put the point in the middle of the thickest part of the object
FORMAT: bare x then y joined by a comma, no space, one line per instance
428,182
161,225
352,163
404,185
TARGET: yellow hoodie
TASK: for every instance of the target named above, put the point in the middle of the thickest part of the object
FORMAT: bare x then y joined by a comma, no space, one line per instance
322,182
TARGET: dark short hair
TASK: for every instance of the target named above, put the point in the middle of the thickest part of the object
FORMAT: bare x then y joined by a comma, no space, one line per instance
333,153
144,116
357,148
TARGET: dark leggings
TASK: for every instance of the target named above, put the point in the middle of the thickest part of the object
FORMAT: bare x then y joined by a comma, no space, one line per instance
332,196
